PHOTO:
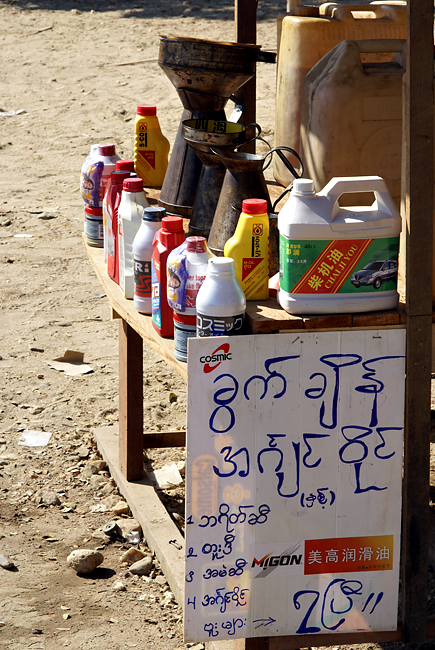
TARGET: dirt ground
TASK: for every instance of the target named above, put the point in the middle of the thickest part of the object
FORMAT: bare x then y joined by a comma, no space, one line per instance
74,71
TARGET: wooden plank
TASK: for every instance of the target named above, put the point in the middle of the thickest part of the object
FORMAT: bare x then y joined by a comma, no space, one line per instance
164,439
268,316
376,319
130,402
146,507
419,215
139,322
328,321
245,17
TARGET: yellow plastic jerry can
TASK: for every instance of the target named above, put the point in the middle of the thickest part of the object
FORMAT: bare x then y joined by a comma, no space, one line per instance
305,36
351,115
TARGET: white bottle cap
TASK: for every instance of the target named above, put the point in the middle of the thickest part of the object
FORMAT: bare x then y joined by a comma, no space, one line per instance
220,265
303,187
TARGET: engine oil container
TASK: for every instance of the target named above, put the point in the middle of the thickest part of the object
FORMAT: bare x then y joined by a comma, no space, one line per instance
337,259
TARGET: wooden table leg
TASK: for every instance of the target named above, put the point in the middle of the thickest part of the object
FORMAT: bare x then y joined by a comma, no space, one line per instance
130,402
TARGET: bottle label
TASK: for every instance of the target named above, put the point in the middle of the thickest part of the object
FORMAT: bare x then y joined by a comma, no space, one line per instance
338,266
219,325
94,230
142,278
193,285
155,294
147,158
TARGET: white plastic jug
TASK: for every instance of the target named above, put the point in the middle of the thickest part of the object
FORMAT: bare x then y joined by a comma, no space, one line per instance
338,259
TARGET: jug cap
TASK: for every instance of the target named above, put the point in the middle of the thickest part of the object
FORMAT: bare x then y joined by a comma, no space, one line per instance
303,187
106,149
220,265
125,165
196,244
153,213
172,224
118,177
132,185
95,212
147,110
254,206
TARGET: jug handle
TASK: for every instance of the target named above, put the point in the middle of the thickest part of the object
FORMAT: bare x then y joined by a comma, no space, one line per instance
287,163
257,127
338,186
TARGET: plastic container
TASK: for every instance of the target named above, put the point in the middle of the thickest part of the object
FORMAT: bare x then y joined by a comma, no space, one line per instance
186,270
111,203
304,37
131,207
96,172
151,148
94,226
347,101
249,247
220,303
142,254
170,235
335,259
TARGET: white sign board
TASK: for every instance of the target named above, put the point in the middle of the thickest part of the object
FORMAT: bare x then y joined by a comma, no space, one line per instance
294,472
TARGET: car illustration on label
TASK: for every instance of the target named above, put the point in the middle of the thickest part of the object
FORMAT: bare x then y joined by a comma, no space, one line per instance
375,273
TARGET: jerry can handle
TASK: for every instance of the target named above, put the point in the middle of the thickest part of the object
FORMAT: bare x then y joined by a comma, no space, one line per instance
338,186
373,45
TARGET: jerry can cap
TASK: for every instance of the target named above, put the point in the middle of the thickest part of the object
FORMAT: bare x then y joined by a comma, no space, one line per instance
133,185
172,224
118,177
146,110
303,187
196,244
254,206
125,165
154,213
106,149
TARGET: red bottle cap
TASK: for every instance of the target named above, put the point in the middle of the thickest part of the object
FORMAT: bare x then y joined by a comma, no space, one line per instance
254,206
132,185
106,149
172,224
118,177
196,244
125,165
95,212
146,110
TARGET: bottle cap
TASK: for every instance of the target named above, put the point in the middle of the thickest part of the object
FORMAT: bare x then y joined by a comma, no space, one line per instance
154,213
95,212
172,224
125,165
106,149
217,266
254,206
303,187
132,185
196,244
118,177
146,109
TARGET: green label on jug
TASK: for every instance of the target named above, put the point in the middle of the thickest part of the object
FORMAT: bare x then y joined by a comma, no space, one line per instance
338,266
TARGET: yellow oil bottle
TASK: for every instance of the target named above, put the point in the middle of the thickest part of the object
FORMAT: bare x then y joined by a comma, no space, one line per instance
151,148
249,247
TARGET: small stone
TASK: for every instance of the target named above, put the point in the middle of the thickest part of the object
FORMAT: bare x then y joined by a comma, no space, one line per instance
84,560
97,481
47,498
128,526
142,567
161,580
98,534
109,487
121,508
76,12
36,630
6,563
89,470
82,452
119,586
132,555
167,599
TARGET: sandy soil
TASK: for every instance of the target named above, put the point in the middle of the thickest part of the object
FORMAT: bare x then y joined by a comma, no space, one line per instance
63,66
